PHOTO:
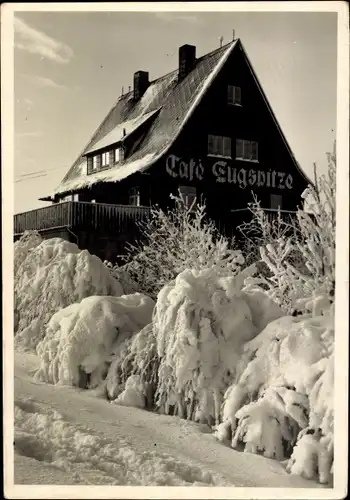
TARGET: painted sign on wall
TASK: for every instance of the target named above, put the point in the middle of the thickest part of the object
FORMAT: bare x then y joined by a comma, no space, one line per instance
225,173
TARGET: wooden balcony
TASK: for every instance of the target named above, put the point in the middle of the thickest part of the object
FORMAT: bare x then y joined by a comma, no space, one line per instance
81,216
272,213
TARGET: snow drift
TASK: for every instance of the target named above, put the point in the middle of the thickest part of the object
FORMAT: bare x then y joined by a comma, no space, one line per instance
281,404
200,323
54,274
80,338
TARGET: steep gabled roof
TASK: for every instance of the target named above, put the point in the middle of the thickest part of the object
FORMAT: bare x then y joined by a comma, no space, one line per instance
168,103
267,104
176,100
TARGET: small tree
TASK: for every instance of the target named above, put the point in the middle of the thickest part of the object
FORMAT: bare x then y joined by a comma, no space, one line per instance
181,238
298,256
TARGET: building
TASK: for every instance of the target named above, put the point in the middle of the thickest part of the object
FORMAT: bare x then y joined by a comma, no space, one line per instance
205,129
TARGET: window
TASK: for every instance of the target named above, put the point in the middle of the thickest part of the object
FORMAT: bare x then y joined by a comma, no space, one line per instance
105,159
75,197
189,195
93,164
96,163
234,95
134,197
246,150
116,155
275,201
219,146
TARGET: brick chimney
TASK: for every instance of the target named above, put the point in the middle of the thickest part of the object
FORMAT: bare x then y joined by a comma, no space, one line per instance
141,83
187,60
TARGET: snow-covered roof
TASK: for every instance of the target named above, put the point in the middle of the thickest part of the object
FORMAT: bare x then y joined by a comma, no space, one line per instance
175,101
167,103
121,131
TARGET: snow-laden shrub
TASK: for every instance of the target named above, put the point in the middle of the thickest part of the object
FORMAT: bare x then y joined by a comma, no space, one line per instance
284,392
80,338
200,323
121,274
181,238
21,248
299,253
138,357
53,275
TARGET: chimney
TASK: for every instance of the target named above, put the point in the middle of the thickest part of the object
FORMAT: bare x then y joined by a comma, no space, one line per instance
141,83
187,60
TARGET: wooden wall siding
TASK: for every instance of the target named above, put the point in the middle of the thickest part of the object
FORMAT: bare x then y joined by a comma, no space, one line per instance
82,215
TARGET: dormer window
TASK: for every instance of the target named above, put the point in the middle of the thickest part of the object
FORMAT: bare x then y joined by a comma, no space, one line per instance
96,163
234,95
105,159
117,155
93,164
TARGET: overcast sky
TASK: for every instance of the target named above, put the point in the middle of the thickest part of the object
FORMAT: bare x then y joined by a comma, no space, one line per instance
70,68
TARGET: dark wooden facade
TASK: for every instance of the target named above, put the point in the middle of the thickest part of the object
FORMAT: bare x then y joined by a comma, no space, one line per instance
224,182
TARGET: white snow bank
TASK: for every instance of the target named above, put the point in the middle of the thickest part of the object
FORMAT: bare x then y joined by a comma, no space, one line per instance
53,275
285,385
93,442
201,322
80,338
86,456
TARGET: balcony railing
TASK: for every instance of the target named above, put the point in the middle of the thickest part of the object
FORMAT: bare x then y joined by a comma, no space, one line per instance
81,215
272,213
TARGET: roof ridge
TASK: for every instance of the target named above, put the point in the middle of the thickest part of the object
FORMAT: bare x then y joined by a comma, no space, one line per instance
212,52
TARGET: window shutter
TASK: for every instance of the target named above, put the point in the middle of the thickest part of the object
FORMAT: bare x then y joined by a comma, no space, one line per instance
111,157
98,162
238,95
219,145
230,94
227,146
239,148
121,153
210,144
89,165
254,150
247,150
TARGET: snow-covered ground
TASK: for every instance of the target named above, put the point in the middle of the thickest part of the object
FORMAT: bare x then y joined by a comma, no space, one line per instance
67,436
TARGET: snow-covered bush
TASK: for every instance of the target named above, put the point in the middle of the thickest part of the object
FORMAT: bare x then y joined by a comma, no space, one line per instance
173,241
299,253
53,275
80,339
283,394
120,273
21,248
137,357
201,321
